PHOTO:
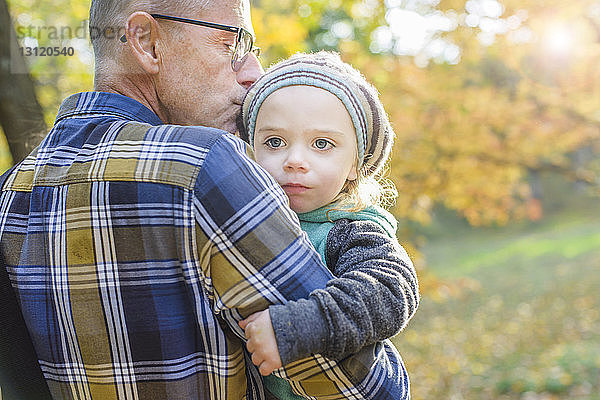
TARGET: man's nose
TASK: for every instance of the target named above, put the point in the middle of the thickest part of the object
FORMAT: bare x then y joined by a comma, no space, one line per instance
250,71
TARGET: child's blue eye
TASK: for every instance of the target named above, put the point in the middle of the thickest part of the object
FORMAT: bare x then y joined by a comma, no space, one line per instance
323,144
274,142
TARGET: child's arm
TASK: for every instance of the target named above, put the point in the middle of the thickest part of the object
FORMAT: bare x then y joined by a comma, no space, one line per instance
373,297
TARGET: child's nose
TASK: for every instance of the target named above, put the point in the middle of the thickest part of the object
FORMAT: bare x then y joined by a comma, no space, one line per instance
295,162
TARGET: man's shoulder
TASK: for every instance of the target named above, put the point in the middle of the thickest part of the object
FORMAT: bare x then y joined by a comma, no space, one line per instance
122,150
183,135
174,154
195,136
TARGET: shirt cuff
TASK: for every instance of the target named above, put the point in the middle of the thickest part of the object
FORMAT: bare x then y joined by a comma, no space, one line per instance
300,329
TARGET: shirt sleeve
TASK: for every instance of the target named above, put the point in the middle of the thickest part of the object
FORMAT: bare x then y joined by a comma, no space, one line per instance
373,297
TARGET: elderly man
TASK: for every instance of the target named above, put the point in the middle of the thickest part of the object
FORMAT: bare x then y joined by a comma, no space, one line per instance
140,233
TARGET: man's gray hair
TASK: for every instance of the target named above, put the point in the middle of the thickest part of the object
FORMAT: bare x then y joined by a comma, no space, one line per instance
108,17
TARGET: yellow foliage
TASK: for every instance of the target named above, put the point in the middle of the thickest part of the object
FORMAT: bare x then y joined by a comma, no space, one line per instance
467,135
278,35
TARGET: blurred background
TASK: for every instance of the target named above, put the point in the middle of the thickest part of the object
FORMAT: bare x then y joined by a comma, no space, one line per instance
496,109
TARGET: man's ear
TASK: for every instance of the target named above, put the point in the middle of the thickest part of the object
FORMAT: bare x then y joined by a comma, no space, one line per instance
142,33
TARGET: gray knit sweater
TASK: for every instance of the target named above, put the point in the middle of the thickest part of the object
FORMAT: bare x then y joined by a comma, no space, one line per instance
374,297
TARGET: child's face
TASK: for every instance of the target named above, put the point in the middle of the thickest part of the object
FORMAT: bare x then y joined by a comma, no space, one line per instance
305,139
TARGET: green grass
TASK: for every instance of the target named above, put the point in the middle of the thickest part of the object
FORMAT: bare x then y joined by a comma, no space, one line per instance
565,235
516,315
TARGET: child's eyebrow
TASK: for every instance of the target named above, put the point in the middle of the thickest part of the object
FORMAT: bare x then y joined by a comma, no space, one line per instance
269,129
327,131
319,131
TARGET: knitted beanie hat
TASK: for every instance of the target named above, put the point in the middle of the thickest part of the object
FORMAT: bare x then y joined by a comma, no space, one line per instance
326,70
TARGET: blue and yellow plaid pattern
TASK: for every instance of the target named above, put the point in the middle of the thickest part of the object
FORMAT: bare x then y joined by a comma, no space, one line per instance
136,247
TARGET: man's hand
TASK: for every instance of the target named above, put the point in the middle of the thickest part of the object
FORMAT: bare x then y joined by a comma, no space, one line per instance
261,341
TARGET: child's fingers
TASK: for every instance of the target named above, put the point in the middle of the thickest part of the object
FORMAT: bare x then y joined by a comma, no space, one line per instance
250,332
250,346
257,359
243,323
268,366
265,369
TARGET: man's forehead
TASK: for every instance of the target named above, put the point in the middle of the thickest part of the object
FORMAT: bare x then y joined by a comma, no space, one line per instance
246,17
229,12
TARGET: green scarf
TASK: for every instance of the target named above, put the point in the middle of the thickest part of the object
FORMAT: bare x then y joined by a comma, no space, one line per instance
318,223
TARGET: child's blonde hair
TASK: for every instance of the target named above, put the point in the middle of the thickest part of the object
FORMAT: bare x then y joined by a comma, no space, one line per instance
374,134
365,191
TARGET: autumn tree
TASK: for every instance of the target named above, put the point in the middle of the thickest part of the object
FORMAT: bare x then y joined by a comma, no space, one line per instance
488,98
484,95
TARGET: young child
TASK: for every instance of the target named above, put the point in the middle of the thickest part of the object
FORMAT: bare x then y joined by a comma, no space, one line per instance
318,127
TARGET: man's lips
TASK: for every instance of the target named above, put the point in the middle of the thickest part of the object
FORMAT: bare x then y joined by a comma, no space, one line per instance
294,188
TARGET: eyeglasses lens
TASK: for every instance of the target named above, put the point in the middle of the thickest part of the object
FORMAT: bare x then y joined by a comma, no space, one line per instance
242,48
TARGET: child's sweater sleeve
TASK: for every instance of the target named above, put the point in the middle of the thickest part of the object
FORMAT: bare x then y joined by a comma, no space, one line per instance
373,297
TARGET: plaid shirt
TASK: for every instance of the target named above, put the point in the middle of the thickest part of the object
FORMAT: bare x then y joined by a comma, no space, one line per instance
136,247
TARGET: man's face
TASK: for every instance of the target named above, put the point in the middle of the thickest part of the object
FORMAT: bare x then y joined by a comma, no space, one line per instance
196,84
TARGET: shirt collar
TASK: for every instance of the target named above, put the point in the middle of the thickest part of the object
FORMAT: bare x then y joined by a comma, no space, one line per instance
104,103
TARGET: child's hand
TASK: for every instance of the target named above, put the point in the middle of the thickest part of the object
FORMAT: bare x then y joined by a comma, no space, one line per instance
261,341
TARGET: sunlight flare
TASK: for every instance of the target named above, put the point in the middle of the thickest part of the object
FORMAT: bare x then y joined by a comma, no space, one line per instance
558,40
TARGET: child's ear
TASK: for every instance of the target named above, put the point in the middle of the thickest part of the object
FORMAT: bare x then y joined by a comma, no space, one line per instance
353,174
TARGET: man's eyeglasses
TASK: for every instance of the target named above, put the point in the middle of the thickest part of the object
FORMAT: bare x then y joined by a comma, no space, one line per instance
244,41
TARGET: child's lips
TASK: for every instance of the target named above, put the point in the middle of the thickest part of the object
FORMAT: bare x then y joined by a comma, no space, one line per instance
294,188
